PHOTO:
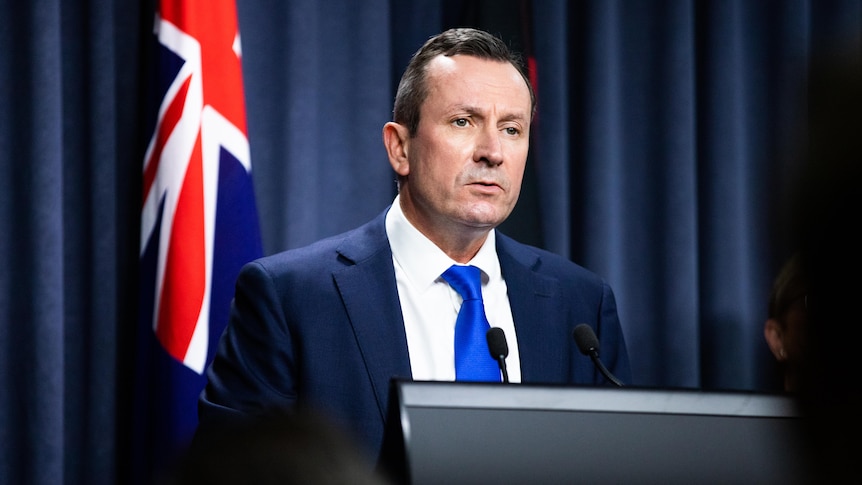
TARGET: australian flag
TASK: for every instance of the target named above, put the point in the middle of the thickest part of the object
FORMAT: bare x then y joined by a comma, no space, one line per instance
199,221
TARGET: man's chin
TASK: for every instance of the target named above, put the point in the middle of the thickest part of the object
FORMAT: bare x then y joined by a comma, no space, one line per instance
484,217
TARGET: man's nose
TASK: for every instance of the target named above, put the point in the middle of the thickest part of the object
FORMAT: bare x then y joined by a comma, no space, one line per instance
489,148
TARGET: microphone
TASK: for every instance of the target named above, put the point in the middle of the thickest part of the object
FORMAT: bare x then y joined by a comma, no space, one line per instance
499,349
588,344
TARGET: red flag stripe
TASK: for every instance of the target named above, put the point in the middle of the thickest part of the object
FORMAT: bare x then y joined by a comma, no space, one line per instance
166,127
185,267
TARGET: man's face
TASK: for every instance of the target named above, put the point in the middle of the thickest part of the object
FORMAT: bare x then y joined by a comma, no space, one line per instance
466,160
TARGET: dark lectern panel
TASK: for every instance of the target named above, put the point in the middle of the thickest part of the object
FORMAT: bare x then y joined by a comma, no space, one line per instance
515,433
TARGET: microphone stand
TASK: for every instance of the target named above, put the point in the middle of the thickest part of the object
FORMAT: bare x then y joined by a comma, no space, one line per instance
604,370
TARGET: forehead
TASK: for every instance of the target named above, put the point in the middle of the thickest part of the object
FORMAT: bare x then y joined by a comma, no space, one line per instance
461,79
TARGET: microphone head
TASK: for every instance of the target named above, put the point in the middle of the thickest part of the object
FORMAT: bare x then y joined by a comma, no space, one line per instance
497,343
586,339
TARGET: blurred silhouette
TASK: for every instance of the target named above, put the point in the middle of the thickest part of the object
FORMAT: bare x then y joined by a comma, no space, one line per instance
786,321
298,447
827,216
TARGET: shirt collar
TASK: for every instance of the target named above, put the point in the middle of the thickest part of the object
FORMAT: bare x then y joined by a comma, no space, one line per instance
422,261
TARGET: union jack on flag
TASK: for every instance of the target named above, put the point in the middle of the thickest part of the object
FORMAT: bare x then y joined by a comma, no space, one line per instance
198,216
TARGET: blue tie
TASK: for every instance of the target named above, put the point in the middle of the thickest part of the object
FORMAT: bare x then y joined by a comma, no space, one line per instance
473,361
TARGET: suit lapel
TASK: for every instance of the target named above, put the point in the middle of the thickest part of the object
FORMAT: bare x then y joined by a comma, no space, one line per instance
370,296
538,313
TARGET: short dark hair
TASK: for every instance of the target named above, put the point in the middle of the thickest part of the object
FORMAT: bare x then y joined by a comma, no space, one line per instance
788,288
413,88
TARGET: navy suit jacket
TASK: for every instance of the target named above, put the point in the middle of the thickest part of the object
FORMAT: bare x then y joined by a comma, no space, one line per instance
322,326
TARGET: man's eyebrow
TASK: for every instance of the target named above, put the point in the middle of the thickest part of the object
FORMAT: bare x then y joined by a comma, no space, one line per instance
469,109
476,112
514,117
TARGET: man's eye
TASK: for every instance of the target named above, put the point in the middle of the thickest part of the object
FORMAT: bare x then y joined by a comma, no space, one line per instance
512,131
461,122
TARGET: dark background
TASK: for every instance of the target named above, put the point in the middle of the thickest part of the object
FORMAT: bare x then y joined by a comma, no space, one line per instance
663,157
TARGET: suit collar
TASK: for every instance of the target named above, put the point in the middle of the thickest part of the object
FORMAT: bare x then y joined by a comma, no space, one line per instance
370,295
537,310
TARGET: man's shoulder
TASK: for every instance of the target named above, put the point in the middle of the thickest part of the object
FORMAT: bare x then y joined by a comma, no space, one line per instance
353,244
543,261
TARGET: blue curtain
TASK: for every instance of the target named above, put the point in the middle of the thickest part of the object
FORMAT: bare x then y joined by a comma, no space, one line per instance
661,159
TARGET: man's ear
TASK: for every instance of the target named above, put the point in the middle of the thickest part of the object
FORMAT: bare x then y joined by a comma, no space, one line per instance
396,139
774,338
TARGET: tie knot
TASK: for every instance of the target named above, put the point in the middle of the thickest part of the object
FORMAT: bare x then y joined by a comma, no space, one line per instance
465,280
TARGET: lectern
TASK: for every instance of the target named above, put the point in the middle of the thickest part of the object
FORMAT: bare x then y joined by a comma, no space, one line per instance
493,433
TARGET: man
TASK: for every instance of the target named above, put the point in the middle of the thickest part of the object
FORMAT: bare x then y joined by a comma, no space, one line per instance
329,325
786,322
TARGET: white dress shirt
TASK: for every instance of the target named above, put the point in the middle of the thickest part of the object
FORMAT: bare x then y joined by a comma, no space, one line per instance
430,306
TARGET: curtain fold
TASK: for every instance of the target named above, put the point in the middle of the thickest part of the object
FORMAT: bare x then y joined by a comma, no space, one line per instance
662,159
